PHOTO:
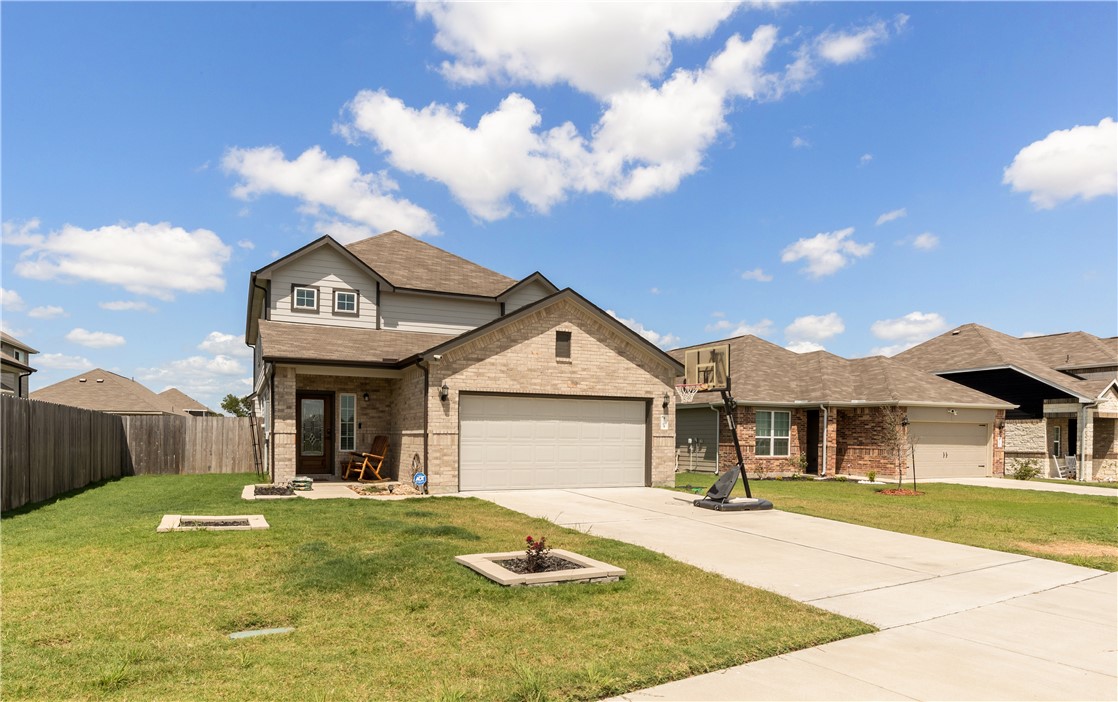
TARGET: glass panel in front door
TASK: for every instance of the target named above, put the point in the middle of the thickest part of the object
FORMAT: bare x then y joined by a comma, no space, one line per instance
312,442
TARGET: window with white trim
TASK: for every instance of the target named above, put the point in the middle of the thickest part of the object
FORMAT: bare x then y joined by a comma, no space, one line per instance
347,422
1056,440
304,299
774,430
345,302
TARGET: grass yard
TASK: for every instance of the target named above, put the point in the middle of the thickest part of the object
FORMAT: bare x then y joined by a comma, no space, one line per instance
1086,483
1077,529
97,605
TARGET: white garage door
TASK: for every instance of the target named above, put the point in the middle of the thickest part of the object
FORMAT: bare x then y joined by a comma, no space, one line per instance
511,443
950,450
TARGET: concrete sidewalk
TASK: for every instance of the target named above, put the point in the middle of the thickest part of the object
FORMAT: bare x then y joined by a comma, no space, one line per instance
1011,484
957,622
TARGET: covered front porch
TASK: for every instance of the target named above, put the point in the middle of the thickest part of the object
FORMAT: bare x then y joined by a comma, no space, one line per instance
1085,432
323,413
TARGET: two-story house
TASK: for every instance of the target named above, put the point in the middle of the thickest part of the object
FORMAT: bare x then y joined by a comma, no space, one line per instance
479,380
15,365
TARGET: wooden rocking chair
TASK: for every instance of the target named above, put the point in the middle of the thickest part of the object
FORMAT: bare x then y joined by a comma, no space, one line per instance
366,464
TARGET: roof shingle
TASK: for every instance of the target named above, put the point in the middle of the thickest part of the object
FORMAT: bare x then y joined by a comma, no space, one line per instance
407,262
320,344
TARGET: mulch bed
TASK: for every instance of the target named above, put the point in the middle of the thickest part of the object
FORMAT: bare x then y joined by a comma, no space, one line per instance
899,491
273,490
213,522
550,565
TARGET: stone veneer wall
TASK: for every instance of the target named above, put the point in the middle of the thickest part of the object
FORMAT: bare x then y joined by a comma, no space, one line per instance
520,358
1025,439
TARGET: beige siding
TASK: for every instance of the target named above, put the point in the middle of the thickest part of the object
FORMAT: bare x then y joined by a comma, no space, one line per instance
434,314
526,296
325,269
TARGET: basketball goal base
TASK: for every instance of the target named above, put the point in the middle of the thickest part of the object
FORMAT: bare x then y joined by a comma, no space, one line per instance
741,504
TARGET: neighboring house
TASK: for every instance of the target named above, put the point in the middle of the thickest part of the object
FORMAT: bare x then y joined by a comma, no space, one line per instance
15,365
181,403
822,414
480,380
1065,387
104,391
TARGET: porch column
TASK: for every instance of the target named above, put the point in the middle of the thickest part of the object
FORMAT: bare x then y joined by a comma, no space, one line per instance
1086,443
830,441
283,433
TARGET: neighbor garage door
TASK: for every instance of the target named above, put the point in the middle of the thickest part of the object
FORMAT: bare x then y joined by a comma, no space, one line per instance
950,450
511,443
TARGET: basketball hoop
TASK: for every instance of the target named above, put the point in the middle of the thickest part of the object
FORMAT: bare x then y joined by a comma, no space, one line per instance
687,391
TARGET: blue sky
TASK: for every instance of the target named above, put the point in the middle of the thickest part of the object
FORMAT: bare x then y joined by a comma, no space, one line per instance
851,176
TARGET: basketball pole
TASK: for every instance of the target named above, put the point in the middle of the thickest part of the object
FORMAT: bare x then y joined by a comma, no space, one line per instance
730,405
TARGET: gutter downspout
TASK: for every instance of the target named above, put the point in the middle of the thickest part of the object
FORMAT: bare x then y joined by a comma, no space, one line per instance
823,465
426,366
19,384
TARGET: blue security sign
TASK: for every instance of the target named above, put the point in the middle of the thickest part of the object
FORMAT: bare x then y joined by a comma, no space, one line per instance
419,479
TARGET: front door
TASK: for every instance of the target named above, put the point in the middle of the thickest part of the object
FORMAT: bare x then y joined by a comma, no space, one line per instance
1073,434
314,442
812,442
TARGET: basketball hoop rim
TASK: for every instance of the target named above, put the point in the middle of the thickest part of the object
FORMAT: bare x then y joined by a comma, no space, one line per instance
687,391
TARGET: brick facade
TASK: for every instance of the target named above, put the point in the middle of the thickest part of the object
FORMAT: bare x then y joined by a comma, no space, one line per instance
518,357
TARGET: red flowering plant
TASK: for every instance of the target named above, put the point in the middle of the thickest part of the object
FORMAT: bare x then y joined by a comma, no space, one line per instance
535,554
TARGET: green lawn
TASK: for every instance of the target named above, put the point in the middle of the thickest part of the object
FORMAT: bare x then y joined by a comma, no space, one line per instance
1078,529
97,605
1086,483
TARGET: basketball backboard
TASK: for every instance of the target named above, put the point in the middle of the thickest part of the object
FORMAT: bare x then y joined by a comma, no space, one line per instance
707,366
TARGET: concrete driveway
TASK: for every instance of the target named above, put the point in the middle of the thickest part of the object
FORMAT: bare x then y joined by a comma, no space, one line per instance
957,622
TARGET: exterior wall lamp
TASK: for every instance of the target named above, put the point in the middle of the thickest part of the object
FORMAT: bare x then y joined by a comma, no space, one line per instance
444,392
667,400
365,397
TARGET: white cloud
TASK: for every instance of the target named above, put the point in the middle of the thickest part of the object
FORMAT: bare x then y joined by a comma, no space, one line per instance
146,259
864,159
126,306
758,275
805,346
855,44
246,244
12,331
926,241
892,215
1078,162
207,380
799,142
321,182
826,253
344,232
654,291
95,340
814,327
597,48
731,329
47,312
662,340
10,300
651,133
218,343
907,331
60,361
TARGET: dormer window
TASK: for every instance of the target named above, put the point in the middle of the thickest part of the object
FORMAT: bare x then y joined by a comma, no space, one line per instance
345,302
304,298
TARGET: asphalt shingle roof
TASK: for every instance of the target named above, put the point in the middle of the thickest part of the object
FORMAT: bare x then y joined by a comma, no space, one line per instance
180,401
763,372
407,262
320,343
101,390
1073,350
974,347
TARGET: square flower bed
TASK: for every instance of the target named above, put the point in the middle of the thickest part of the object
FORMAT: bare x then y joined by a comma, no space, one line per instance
582,570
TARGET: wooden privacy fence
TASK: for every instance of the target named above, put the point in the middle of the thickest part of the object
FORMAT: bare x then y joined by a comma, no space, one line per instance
49,449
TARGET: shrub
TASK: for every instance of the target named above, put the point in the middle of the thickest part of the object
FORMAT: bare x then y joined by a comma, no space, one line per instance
872,476
1025,469
535,553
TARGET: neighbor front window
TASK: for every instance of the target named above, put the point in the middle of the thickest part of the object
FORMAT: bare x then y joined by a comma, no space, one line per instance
306,299
345,302
1055,441
347,436
773,431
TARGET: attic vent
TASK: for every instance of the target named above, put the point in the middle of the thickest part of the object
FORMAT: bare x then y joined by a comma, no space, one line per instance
955,333
81,380
100,380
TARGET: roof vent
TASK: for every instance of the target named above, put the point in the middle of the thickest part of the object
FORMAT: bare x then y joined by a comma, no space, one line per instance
100,380
81,380
956,332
